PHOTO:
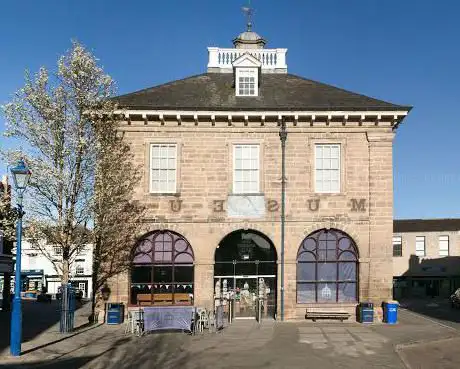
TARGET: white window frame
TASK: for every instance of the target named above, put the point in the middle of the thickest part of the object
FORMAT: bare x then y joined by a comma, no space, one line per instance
235,187
167,169
420,246
397,240
247,72
443,245
57,250
339,169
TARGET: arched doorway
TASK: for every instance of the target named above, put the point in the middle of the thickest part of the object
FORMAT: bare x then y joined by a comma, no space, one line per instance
327,268
245,269
162,270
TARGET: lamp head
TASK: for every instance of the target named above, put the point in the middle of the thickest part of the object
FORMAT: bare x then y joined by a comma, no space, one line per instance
21,175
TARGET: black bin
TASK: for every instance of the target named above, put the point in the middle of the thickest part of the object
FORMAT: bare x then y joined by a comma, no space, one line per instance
365,312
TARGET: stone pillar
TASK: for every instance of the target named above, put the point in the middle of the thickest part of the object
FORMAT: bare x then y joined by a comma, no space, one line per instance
204,284
290,290
380,274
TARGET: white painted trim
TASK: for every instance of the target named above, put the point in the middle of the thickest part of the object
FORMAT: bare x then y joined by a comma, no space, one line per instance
246,61
151,144
235,144
315,145
254,73
306,113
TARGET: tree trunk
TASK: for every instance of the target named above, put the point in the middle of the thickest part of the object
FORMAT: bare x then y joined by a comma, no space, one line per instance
65,271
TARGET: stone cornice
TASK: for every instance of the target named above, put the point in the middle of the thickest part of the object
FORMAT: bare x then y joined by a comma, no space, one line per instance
373,137
305,118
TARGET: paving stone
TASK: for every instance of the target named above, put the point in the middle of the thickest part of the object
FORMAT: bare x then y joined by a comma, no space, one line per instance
340,337
312,338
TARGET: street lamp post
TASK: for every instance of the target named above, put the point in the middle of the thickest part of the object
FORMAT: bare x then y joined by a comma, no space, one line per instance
283,137
21,175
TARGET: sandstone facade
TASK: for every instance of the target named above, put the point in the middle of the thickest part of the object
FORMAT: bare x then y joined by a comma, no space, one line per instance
205,179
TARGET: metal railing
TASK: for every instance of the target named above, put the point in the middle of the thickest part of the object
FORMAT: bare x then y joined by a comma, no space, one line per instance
67,308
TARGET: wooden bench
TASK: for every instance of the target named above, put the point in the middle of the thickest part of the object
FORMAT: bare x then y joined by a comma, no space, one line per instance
314,313
146,299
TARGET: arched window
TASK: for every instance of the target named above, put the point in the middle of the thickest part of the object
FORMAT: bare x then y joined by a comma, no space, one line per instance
162,270
327,268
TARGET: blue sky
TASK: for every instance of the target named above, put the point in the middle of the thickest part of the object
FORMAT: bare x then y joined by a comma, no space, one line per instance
402,51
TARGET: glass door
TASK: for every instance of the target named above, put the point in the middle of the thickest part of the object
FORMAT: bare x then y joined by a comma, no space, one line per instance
246,296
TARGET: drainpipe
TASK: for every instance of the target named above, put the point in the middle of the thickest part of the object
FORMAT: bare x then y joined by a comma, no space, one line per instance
283,136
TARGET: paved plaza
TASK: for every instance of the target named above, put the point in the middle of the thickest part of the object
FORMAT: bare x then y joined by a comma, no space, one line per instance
416,342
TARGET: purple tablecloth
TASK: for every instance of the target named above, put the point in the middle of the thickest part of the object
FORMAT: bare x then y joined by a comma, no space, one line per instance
168,317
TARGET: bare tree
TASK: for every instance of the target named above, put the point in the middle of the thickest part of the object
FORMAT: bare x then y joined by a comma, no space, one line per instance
117,216
83,179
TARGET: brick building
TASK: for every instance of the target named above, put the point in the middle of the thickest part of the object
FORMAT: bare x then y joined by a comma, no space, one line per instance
426,257
212,156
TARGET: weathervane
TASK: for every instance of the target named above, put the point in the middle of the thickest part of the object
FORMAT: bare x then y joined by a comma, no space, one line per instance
248,11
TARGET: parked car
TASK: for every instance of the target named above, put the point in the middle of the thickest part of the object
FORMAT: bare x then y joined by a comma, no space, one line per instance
455,299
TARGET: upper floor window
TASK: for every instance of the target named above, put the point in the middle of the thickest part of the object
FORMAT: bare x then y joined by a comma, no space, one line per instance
57,250
246,82
420,246
327,168
246,168
79,270
443,245
163,168
397,246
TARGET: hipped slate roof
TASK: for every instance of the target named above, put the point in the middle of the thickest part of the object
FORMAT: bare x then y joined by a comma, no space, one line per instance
426,225
215,91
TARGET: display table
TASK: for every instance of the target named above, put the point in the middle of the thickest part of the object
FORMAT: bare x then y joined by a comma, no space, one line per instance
168,317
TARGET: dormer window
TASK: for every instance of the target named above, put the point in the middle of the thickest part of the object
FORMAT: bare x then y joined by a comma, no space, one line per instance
246,73
246,82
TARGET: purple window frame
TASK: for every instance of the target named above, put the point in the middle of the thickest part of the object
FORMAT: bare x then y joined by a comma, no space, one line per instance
160,249
311,247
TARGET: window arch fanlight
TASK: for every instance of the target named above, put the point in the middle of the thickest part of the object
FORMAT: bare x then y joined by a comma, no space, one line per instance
327,268
162,270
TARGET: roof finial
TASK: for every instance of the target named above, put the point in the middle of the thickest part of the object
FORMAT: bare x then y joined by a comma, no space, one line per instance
248,11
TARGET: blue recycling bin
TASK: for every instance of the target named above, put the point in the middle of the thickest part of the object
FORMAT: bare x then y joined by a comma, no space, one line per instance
115,313
390,312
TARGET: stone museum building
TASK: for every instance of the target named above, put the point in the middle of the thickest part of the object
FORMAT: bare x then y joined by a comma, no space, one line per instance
223,222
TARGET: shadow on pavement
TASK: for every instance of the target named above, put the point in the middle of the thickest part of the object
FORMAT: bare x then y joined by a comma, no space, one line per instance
438,309
152,352
77,331
37,317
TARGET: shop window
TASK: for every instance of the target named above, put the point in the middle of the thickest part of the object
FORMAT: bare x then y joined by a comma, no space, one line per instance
327,268
162,271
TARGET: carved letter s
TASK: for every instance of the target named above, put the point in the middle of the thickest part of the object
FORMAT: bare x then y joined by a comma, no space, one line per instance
272,206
